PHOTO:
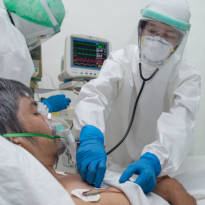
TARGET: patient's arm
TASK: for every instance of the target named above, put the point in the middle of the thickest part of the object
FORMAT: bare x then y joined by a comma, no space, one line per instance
71,182
172,191
169,189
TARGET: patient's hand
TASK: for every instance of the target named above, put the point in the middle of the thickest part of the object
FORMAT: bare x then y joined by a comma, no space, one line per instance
172,191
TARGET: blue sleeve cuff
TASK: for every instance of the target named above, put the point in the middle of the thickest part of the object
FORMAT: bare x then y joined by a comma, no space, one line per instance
50,109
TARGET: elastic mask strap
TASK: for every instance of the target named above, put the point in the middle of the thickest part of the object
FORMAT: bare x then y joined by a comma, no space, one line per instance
51,16
12,135
139,39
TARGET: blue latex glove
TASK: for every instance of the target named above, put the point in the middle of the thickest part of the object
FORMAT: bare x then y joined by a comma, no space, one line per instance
91,156
56,103
147,168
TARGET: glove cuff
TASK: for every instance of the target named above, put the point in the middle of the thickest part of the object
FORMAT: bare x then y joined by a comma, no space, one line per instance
90,132
50,109
154,161
68,100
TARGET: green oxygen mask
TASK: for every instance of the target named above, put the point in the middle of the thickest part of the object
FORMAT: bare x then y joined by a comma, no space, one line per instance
61,138
59,131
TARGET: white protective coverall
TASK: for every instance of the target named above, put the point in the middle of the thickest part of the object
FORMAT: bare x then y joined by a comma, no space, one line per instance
15,59
35,22
165,116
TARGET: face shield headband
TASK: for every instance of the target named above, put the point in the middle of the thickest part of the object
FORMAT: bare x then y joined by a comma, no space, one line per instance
178,24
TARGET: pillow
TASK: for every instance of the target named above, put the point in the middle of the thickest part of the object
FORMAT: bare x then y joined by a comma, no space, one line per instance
24,180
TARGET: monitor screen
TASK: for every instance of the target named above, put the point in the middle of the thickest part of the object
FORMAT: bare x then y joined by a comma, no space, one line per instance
87,53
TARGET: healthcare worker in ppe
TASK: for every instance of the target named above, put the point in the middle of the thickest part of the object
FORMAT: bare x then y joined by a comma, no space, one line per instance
37,20
19,168
145,94
30,20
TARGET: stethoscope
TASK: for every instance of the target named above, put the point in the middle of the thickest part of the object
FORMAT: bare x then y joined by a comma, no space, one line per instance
135,106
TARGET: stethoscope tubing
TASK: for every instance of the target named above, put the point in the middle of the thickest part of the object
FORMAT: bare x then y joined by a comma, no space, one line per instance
134,108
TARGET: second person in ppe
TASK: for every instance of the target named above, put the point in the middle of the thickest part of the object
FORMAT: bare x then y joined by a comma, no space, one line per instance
25,24
152,77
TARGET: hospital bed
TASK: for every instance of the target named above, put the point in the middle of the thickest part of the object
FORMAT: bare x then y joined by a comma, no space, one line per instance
24,180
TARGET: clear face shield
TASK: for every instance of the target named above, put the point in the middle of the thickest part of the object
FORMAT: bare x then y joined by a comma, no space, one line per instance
157,41
34,33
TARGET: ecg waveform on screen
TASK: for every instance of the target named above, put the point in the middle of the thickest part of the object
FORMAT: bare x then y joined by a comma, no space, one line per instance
88,54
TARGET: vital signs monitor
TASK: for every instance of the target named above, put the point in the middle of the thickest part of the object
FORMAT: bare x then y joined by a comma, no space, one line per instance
83,57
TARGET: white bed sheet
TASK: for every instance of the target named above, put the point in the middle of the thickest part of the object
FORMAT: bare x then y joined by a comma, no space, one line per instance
191,174
133,192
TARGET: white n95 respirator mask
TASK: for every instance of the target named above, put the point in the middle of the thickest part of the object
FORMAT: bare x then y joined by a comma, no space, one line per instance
155,49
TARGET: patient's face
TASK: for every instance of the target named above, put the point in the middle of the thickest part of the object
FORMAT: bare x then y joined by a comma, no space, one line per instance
30,118
33,122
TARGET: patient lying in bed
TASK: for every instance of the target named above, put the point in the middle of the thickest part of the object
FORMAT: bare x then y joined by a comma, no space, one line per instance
19,115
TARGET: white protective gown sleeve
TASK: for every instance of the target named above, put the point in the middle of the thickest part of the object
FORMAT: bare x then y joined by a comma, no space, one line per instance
96,97
165,116
24,180
15,59
175,127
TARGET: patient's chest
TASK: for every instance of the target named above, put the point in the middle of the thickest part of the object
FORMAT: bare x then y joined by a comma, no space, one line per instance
72,181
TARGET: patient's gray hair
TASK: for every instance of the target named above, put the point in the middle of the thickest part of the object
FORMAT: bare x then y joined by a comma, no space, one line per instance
10,94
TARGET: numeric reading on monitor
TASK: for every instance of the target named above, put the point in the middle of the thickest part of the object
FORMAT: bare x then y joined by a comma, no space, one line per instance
88,54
